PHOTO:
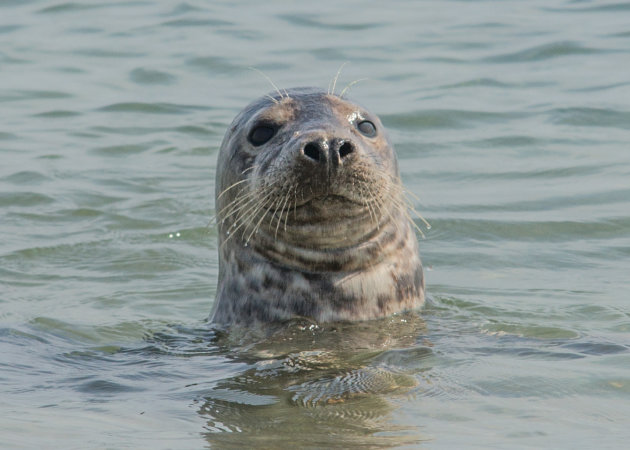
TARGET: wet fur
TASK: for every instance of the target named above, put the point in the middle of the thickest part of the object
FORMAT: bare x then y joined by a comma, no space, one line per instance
330,242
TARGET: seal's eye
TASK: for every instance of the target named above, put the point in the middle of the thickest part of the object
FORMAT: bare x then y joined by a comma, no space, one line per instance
261,134
367,128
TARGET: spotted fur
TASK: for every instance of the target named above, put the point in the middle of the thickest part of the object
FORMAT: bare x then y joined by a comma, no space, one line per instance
313,222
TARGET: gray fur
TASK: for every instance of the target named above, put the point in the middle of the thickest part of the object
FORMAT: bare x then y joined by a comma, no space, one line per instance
318,233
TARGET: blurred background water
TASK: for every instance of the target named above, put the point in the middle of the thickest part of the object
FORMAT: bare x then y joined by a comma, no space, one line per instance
512,124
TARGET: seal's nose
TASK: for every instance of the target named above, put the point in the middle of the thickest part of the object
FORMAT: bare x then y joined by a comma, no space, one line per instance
326,152
315,150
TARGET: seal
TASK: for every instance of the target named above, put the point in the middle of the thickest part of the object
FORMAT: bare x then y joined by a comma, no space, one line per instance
312,217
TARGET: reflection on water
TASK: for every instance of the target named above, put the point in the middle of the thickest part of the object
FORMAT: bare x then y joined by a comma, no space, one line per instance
375,384
332,385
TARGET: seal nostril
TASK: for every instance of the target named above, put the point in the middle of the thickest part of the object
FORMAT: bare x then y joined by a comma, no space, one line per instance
312,151
345,149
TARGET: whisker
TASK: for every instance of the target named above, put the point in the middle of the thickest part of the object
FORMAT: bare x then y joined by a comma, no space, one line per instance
276,203
418,215
334,80
242,204
237,205
231,187
244,219
232,207
378,202
248,169
270,82
350,85
258,223
286,199
397,198
367,205
392,199
286,218
414,224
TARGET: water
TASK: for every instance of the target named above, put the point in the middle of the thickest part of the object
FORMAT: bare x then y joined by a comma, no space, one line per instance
512,124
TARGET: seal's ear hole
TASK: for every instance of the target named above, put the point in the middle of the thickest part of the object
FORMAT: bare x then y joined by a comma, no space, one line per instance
261,134
367,128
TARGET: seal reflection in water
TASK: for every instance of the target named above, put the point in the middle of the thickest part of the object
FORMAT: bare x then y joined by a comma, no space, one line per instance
312,216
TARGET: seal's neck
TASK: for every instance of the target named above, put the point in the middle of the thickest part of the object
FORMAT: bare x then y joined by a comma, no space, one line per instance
343,249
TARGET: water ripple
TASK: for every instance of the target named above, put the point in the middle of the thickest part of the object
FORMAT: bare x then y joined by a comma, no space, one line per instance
447,118
24,199
148,76
597,348
610,7
6,29
151,108
543,52
197,23
215,64
128,149
57,114
26,177
324,23
98,387
591,117
33,94
68,7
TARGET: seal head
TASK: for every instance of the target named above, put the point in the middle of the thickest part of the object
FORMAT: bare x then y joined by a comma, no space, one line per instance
312,216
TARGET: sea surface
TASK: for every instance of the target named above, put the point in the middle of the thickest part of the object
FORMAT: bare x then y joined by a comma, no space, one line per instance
511,120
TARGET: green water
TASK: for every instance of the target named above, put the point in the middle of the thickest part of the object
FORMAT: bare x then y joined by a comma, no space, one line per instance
512,124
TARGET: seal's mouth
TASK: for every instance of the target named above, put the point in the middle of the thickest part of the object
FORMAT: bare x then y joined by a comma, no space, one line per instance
330,200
